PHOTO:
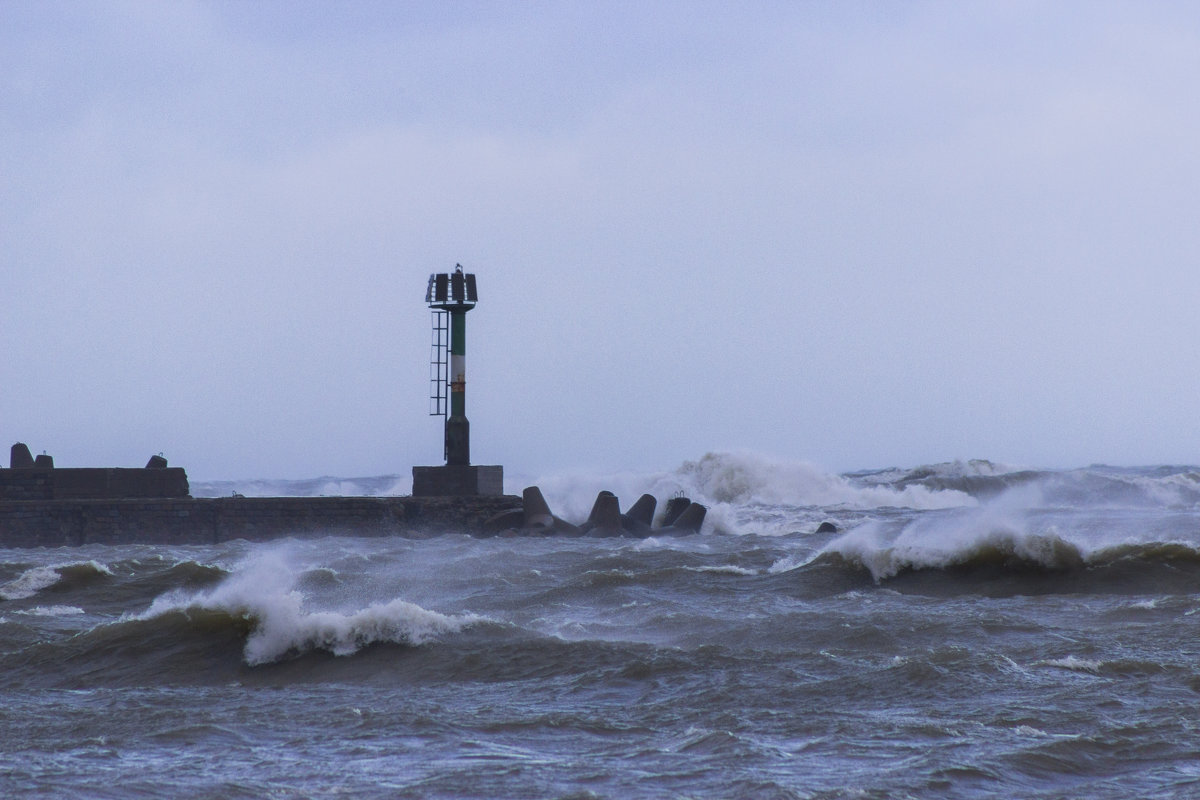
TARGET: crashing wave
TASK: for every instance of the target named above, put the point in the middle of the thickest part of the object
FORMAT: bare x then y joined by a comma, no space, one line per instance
263,594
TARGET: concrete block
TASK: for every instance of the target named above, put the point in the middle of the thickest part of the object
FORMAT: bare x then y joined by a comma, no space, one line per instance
458,481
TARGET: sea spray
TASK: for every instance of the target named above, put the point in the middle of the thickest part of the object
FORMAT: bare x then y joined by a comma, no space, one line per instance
745,477
734,485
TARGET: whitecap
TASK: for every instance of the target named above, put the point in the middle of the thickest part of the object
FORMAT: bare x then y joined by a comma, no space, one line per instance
727,569
789,563
1028,730
1073,663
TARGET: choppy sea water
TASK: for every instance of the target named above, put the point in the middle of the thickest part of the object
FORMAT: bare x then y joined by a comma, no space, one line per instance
970,631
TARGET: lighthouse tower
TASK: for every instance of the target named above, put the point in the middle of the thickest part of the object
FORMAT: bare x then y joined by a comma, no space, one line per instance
450,296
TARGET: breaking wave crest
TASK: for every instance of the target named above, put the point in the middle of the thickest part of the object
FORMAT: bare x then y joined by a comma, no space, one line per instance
280,624
868,548
35,579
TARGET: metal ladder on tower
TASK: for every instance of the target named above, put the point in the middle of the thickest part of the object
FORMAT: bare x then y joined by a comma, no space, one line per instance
439,365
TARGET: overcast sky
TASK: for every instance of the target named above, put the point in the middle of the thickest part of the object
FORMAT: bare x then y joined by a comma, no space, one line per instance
855,234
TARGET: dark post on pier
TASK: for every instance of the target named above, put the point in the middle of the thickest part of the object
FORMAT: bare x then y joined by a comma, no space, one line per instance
450,296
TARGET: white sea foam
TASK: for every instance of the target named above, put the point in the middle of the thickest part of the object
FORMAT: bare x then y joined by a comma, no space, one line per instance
1073,663
263,590
52,611
682,544
726,569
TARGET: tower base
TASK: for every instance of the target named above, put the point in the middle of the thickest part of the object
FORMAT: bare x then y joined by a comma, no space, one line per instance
458,481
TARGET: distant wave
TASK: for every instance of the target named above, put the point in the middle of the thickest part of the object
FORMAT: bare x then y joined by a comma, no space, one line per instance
132,578
996,547
374,486
1178,553
142,578
1096,486
1114,667
988,546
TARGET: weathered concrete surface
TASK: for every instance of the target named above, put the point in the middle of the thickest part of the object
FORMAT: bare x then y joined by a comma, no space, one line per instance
38,483
205,520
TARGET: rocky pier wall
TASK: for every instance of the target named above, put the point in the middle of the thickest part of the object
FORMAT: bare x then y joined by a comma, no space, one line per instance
188,520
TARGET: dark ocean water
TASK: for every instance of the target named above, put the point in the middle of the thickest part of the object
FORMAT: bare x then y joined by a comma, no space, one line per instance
971,631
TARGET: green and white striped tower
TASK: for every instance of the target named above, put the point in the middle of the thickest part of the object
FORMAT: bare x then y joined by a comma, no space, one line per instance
455,294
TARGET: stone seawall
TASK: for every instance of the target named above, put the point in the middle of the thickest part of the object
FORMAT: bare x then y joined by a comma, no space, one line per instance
202,520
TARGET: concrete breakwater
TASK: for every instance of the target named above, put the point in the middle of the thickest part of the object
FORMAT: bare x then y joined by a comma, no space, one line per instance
206,520
45,506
